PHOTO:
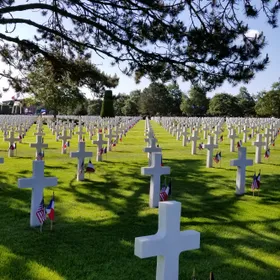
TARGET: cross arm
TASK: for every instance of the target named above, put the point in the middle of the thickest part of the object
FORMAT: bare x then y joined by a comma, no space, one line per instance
24,183
147,170
189,240
149,246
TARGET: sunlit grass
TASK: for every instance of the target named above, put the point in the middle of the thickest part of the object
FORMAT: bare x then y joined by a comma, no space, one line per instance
98,219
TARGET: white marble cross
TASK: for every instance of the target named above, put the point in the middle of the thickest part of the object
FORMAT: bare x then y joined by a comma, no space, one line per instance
152,149
210,146
37,182
194,139
81,155
80,132
258,143
64,137
216,132
178,132
242,162
99,142
155,170
21,133
168,242
11,141
245,131
266,135
232,137
205,131
39,145
110,136
184,136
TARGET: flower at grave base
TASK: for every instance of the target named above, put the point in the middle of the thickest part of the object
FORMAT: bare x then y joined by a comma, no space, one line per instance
90,167
267,153
200,146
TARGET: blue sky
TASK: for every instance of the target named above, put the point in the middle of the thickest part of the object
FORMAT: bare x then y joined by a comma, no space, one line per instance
262,81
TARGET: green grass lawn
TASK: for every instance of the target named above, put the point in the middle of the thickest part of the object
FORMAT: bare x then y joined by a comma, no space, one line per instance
97,220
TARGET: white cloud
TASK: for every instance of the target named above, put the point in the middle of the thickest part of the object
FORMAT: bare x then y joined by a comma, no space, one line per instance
251,33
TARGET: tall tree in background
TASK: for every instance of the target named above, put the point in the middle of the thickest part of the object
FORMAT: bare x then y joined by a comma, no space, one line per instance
131,106
61,90
55,92
196,103
176,96
155,100
246,102
94,107
208,48
224,104
268,104
107,109
119,103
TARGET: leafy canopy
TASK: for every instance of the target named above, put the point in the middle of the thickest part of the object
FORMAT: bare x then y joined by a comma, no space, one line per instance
143,37
224,104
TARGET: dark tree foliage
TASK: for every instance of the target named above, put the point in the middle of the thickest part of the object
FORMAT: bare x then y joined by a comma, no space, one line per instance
224,104
155,100
196,103
119,103
246,102
94,107
268,103
144,37
107,109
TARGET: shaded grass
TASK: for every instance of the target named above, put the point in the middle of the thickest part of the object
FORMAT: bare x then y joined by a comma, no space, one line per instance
98,219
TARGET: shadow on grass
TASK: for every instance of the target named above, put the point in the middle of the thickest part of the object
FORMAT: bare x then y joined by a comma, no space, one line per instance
103,248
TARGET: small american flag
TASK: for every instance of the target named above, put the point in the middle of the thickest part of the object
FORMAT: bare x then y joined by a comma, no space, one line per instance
41,213
267,153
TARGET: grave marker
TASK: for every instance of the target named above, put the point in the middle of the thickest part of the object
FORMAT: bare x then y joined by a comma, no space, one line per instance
39,145
232,137
155,170
258,145
81,155
210,146
194,139
152,149
168,242
11,141
64,139
37,182
99,142
242,162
